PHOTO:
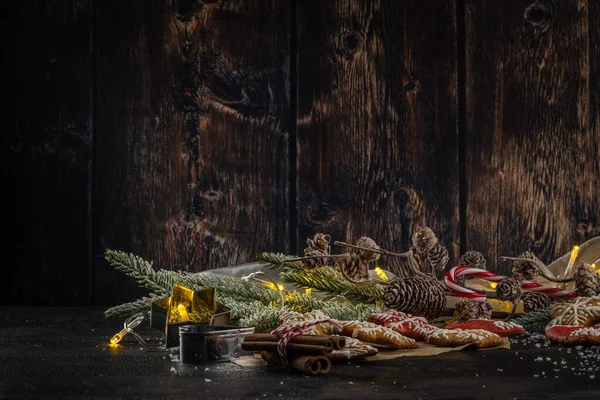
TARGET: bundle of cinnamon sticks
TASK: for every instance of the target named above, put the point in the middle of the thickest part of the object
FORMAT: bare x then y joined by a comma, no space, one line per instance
306,353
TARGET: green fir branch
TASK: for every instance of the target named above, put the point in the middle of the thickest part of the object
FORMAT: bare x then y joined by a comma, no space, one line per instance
142,305
328,280
534,321
349,312
276,262
264,320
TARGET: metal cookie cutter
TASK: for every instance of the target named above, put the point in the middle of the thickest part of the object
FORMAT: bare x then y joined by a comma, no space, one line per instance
207,343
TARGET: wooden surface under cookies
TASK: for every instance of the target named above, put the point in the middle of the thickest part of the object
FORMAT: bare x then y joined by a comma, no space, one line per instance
53,353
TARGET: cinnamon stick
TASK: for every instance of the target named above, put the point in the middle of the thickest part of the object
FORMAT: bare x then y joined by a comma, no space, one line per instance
295,348
307,364
339,342
313,340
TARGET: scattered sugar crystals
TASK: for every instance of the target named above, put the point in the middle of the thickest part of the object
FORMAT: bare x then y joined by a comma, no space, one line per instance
586,359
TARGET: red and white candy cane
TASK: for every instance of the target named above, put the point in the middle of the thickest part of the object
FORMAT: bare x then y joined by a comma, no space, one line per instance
461,291
550,291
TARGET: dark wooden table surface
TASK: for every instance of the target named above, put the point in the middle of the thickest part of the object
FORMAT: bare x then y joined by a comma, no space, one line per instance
62,353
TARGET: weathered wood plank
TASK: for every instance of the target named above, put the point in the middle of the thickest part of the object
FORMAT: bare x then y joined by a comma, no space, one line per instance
192,143
45,151
532,140
377,112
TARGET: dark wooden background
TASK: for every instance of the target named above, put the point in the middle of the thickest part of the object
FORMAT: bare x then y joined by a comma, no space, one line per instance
198,133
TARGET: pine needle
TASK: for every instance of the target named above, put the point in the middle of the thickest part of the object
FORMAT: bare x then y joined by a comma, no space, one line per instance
534,321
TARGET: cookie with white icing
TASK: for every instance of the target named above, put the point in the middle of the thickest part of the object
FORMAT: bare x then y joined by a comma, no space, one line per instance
459,337
354,350
377,334
404,324
571,322
500,328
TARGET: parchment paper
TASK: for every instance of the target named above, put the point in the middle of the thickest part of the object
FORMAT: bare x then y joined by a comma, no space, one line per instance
424,350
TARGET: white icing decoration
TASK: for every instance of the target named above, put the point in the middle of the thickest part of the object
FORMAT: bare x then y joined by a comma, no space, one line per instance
577,313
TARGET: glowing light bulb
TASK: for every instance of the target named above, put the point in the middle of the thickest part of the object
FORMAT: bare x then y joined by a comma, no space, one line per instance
119,336
493,284
308,291
574,254
380,273
595,268
280,287
183,312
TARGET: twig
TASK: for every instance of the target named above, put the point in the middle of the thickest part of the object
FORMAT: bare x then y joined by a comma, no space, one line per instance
514,310
315,257
406,254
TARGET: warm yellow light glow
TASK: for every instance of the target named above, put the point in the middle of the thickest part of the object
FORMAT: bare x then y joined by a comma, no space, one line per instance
280,287
493,285
380,273
308,291
183,312
595,268
574,254
118,337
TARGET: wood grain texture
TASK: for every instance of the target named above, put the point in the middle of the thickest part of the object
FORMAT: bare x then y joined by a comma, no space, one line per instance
377,112
192,144
532,133
45,151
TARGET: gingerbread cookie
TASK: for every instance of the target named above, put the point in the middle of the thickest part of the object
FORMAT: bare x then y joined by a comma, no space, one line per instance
583,311
354,350
458,337
500,328
565,334
377,334
404,324
571,322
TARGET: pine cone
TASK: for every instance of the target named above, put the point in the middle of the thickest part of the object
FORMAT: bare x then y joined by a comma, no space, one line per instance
587,281
477,310
509,290
535,301
317,246
355,267
424,239
418,296
368,256
320,242
438,257
473,259
527,269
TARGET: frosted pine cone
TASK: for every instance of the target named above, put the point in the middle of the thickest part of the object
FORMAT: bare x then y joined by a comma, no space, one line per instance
473,259
317,246
320,242
367,256
527,269
438,257
587,281
535,301
476,310
509,290
418,296
354,267
424,239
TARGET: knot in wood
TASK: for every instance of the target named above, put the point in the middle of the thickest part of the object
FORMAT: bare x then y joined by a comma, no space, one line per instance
538,16
185,9
349,43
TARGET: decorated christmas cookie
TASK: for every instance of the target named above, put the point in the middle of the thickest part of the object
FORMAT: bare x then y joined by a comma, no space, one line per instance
571,322
458,337
377,334
404,324
500,328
